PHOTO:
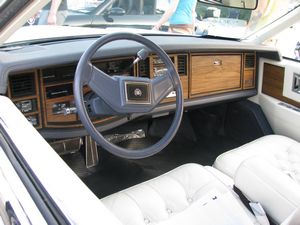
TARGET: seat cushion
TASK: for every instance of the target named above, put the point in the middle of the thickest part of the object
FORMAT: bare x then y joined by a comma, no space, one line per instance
267,171
189,194
280,151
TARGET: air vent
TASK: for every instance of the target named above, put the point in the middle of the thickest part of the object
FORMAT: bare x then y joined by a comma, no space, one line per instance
22,85
249,60
182,65
144,69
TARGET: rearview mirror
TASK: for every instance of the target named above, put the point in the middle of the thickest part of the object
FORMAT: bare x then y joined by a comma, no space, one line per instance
243,4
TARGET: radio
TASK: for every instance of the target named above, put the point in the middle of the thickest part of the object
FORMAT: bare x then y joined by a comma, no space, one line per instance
59,91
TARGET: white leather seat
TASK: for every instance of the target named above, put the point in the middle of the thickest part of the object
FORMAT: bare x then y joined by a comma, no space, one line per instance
282,152
267,171
189,194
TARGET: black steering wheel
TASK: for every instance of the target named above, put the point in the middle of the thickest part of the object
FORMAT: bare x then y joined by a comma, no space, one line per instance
127,95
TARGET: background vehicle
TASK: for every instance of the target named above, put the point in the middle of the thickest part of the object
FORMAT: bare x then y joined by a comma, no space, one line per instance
123,13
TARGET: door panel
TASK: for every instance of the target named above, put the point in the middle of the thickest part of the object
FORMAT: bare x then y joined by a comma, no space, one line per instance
280,104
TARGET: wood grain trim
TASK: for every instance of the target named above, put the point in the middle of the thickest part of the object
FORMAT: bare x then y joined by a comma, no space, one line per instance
207,78
249,79
36,97
185,83
70,121
43,99
273,79
38,92
249,74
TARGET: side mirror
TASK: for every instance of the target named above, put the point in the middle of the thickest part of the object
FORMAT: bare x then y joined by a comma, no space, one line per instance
116,11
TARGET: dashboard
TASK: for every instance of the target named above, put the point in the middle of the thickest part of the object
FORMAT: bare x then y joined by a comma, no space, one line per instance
43,91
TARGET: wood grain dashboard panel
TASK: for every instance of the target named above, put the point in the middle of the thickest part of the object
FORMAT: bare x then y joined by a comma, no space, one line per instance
200,74
24,90
249,69
273,79
215,74
58,95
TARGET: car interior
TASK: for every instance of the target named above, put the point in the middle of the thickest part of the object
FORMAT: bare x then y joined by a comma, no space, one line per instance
166,129
211,124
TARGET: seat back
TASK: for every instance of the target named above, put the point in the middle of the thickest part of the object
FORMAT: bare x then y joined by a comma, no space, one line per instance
261,181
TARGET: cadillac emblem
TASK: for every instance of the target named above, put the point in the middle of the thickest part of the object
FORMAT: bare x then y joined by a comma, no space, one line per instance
138,92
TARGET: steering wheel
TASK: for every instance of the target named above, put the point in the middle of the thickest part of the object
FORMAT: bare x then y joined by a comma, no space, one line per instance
127,95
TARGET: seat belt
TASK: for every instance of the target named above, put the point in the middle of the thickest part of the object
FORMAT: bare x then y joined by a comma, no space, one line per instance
254,207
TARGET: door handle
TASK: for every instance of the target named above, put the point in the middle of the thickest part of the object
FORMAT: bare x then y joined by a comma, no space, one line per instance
296,83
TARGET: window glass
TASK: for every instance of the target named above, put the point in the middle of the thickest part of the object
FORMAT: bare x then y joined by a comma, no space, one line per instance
161,6
218,20
103,16
288,42
2,2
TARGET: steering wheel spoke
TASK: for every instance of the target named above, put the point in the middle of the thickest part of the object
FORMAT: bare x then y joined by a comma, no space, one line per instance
105,86
161,87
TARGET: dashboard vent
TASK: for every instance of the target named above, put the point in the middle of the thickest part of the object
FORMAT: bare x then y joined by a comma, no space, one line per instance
144,68
249,60
22,85
182,65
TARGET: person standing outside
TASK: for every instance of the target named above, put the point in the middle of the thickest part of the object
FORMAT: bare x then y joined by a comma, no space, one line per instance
181,15
54,13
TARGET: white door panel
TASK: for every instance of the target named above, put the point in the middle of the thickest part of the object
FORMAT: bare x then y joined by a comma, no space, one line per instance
284,119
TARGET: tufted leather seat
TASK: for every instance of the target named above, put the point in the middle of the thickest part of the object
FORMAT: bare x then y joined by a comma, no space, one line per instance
189,194
280,151
267,170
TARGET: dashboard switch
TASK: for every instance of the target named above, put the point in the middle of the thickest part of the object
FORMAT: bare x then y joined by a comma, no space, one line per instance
70,110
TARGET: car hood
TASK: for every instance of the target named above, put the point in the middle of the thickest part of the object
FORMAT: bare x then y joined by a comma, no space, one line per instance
31,33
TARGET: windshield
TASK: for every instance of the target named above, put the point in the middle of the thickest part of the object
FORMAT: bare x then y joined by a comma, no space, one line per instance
147,16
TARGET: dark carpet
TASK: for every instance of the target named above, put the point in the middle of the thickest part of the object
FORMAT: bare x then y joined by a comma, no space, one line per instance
114,174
